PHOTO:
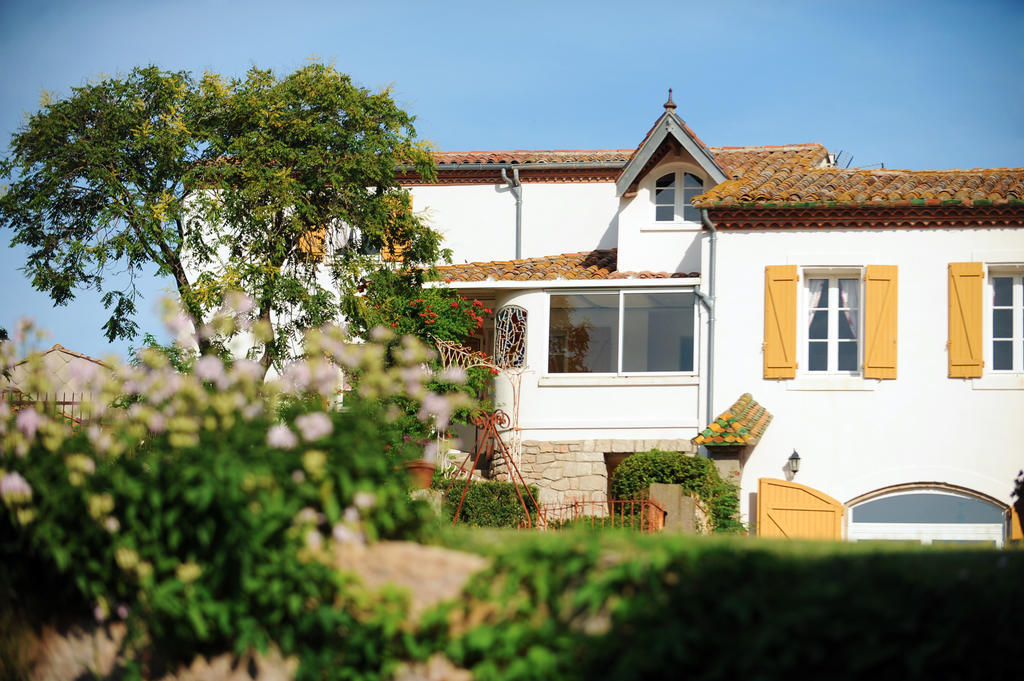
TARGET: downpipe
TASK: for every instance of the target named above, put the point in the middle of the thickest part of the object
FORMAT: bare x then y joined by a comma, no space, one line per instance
708,300
517,191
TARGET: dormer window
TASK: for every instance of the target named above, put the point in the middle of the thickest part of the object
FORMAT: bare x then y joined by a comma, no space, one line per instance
671,205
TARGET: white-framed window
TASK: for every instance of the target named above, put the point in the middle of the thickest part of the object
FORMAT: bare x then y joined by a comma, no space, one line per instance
1006,320
832,331
621,332
673,197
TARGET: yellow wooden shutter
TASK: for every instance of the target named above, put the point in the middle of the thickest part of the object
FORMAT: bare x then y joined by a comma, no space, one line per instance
312,243
880,318
966,354
780,321
1016,533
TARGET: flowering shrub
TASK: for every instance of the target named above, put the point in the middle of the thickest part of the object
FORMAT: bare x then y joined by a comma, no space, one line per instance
398,301
206,523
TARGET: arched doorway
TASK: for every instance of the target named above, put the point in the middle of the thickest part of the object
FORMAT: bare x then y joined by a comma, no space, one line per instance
928,514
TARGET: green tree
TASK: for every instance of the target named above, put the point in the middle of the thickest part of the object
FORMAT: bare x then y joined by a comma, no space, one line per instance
252,183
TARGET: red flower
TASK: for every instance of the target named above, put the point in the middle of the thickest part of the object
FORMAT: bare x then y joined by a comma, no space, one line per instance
455,303
487,310
477,303
412,303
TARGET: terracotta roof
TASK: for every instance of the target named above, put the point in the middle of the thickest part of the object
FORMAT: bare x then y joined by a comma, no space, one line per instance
539,156
793,186
60,348
741,424
598,264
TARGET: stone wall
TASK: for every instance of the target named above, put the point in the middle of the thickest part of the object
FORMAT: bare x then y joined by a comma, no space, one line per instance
576,470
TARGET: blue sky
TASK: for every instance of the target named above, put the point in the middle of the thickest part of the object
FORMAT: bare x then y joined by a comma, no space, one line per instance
910,84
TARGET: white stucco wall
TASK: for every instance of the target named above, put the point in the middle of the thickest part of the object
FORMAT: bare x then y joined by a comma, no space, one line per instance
478,222
857,436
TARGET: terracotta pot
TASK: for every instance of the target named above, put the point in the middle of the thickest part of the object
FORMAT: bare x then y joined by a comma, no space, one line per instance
422,472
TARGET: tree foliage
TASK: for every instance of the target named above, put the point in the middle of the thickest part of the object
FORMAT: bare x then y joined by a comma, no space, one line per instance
257,184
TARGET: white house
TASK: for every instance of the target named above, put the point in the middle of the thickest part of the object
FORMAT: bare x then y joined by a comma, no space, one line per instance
876,316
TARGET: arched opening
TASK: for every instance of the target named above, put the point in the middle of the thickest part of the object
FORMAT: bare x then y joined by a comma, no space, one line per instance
929,514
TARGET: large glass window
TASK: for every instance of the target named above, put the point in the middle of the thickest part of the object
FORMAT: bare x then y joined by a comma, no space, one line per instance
1007,323
833,324
654,329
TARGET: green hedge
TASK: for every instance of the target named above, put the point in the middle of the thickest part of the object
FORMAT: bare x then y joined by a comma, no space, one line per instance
489,503
618,606
695,474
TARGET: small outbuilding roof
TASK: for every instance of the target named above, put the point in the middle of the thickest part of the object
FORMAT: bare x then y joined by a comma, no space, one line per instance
741,424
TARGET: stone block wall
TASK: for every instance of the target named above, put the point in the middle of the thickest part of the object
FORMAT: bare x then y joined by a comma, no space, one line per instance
575,470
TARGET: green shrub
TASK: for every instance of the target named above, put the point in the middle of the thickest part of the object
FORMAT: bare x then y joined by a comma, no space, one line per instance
490,503
621,606
695,474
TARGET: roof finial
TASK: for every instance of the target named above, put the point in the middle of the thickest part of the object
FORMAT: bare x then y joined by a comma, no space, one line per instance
669,105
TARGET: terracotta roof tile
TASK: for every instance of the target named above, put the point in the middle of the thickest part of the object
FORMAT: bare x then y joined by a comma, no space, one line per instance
811,186
741,424
539,156
598,264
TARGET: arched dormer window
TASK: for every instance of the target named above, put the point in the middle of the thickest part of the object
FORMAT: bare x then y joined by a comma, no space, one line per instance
672,205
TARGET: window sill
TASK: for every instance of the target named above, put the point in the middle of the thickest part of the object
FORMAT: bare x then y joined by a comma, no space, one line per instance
672,227
606,380
999,382
829,383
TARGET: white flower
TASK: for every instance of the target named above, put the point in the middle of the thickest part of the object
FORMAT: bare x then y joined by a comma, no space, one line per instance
314,426
314,540
364,499
351,515
298,476
344,534
281,437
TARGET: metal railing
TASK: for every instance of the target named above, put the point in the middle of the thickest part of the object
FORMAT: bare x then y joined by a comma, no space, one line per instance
67,405
642,515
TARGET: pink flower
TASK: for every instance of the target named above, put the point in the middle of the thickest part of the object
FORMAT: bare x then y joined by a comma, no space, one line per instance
281,437
249,369
210,368
314,426
15,489
29,421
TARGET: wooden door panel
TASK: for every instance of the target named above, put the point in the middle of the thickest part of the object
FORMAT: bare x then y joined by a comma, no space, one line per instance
789,509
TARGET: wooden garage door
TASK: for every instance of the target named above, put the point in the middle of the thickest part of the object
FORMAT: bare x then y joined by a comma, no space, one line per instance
789,509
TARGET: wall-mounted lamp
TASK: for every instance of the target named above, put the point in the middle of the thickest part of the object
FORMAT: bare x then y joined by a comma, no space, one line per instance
794,462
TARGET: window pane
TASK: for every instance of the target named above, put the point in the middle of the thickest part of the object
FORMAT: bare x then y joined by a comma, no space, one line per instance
848,324
819,325
666,180
657,332
847,356
927,508
1002,355
818,289
817,356
692,181
665,213
584,333
1002,323
1002,290
849,293
691,214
